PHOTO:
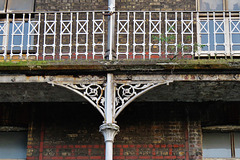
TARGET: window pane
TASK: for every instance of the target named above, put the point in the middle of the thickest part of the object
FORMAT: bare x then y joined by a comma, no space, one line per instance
233,5
211,5
13,145
237,144
20,5
213,35
216,145
2,5
2,34
19,33
235,34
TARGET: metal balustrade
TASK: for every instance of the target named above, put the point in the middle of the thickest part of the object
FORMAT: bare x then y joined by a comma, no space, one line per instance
138,35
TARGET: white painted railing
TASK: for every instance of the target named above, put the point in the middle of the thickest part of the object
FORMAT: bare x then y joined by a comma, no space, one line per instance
138,35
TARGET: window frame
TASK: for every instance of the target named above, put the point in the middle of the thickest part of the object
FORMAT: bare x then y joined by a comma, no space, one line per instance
18,11
225,6
231,139
217,15
5,39
227,41
26,45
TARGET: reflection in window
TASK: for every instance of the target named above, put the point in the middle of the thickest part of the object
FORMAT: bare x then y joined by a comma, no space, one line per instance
233,5
210,5
20,5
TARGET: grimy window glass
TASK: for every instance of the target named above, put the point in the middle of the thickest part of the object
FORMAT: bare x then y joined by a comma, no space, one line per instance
2,5
211,5
20,5
216,145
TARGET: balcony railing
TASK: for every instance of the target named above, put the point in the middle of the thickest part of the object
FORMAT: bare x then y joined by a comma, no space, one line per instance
137,35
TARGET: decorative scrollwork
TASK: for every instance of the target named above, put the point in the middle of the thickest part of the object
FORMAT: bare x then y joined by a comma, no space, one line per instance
94,93
126,93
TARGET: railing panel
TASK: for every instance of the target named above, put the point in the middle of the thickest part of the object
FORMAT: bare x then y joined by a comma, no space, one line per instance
123,42
33,36
3,36
138,35
98,35
82,34
155,33
50,32
66,35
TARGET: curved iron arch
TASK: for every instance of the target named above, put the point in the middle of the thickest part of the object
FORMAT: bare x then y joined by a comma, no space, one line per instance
93,93
132,91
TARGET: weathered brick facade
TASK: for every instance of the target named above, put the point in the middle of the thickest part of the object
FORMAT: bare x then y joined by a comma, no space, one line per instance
121,5
146,133
147,130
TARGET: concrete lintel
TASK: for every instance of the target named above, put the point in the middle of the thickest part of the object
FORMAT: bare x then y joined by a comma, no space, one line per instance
58,78
175,77
121,79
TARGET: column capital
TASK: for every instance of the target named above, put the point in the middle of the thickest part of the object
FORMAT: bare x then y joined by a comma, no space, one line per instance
109,131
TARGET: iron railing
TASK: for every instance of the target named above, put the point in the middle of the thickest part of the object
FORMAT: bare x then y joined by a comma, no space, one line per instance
138,35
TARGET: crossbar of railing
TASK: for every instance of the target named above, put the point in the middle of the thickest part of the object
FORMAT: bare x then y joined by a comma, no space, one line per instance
139,35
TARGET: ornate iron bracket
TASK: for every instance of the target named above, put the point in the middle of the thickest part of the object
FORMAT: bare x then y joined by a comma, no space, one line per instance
125,93
93,93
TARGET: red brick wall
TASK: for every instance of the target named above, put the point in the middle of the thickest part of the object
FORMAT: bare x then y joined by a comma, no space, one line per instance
145,133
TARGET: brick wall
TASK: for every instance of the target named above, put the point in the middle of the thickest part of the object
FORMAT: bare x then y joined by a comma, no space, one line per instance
121,5
145,133
124,5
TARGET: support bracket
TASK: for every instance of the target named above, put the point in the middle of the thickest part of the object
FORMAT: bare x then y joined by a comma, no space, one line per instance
93,93
125,93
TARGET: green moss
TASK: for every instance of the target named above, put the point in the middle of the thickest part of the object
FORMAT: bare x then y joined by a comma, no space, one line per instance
153,64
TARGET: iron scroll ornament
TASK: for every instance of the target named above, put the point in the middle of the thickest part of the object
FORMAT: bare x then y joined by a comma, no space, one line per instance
126,93
93,93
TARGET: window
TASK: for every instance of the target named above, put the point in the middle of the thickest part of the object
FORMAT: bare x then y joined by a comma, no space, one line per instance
219,5
2,5
16,5
13,145
218,31
15,27
221,145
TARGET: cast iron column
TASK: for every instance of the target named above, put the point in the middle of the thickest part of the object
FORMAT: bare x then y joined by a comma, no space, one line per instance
111,30
109,129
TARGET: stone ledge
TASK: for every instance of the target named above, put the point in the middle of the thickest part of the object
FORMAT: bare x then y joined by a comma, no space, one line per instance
127,65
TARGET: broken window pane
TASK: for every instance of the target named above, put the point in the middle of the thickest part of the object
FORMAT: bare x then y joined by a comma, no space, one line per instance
2,5
233,5
211,5
20,5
